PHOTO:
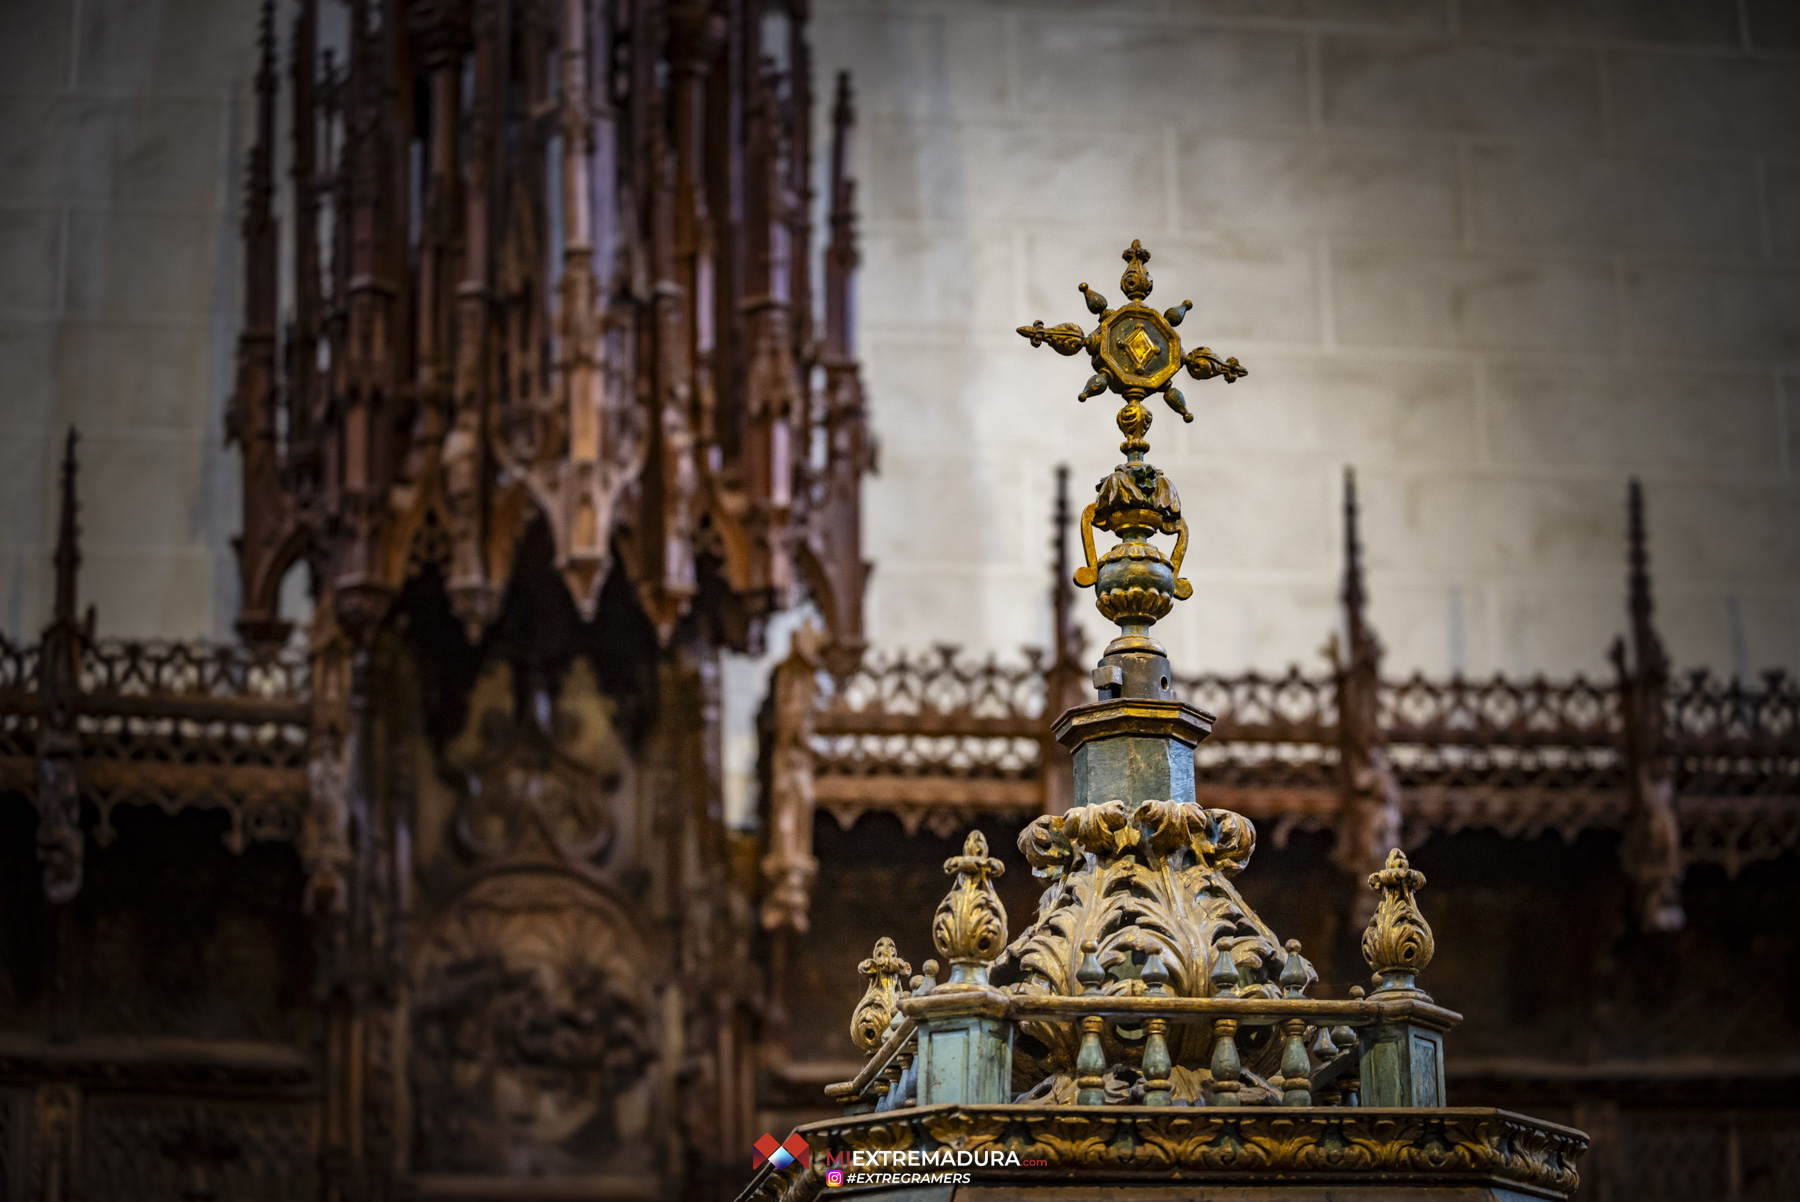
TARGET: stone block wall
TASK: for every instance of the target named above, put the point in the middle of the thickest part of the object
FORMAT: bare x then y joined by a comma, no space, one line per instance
1499,255
122,124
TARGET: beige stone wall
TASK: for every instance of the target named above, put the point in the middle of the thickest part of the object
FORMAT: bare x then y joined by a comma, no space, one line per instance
119,178
1498,255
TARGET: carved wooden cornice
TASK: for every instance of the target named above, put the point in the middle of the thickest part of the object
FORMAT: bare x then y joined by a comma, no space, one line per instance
1399,1148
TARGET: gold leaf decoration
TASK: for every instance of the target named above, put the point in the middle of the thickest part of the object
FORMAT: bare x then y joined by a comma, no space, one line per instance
969,929
1045,847
886,972
1066,338
1134,881
1398,941
1103,828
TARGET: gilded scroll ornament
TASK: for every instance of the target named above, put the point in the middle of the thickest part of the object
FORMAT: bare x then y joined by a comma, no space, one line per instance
1397,943
970,927
881,999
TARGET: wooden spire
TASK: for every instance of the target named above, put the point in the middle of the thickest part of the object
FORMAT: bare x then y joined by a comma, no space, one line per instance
68,537
1355,594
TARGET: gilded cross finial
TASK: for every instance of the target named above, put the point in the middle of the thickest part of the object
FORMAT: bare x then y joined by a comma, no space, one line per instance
1134,352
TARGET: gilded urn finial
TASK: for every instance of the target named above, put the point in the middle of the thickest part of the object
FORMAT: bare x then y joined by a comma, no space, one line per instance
881,1000
970,927
1398,942
1134,351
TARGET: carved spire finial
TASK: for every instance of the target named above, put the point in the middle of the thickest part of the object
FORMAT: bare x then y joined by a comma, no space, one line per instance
68,535
1652,850
1355,596
881,999
260,183
1066,632
1646,644
970,927
1398,941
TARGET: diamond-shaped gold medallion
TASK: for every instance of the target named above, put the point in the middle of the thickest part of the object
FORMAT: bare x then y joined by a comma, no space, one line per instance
1138,345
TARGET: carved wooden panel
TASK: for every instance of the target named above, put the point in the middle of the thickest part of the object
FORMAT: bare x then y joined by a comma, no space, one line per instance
533,1033
137,1148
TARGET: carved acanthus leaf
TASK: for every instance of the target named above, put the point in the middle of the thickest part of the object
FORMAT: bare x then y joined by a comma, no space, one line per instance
1398,941
970,927
886,972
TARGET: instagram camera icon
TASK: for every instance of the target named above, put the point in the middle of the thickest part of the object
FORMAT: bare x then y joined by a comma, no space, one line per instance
834,1177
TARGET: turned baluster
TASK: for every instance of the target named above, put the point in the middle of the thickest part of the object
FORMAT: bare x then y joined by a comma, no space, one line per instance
1296,1068
1326,1050
904,1084
1346,1037
1226,1067
889,1085
1224,975
1090,1062
1157,1065
921,985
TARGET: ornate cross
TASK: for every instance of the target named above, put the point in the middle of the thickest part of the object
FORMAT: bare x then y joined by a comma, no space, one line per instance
1135,351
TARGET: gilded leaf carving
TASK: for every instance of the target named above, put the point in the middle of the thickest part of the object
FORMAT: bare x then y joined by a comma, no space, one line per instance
1398,942
970,927
886,972
1134,881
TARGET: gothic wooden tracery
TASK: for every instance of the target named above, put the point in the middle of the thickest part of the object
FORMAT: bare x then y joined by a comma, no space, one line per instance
1693,769
549,392
585,296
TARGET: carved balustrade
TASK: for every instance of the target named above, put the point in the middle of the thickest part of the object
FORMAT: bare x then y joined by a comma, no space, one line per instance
179,725
1308,1048
932,738
937,739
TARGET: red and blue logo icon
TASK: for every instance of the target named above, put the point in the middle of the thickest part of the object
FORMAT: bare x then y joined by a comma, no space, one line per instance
781,1155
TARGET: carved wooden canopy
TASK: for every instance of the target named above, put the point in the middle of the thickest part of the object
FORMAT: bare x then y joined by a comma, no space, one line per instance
566,276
